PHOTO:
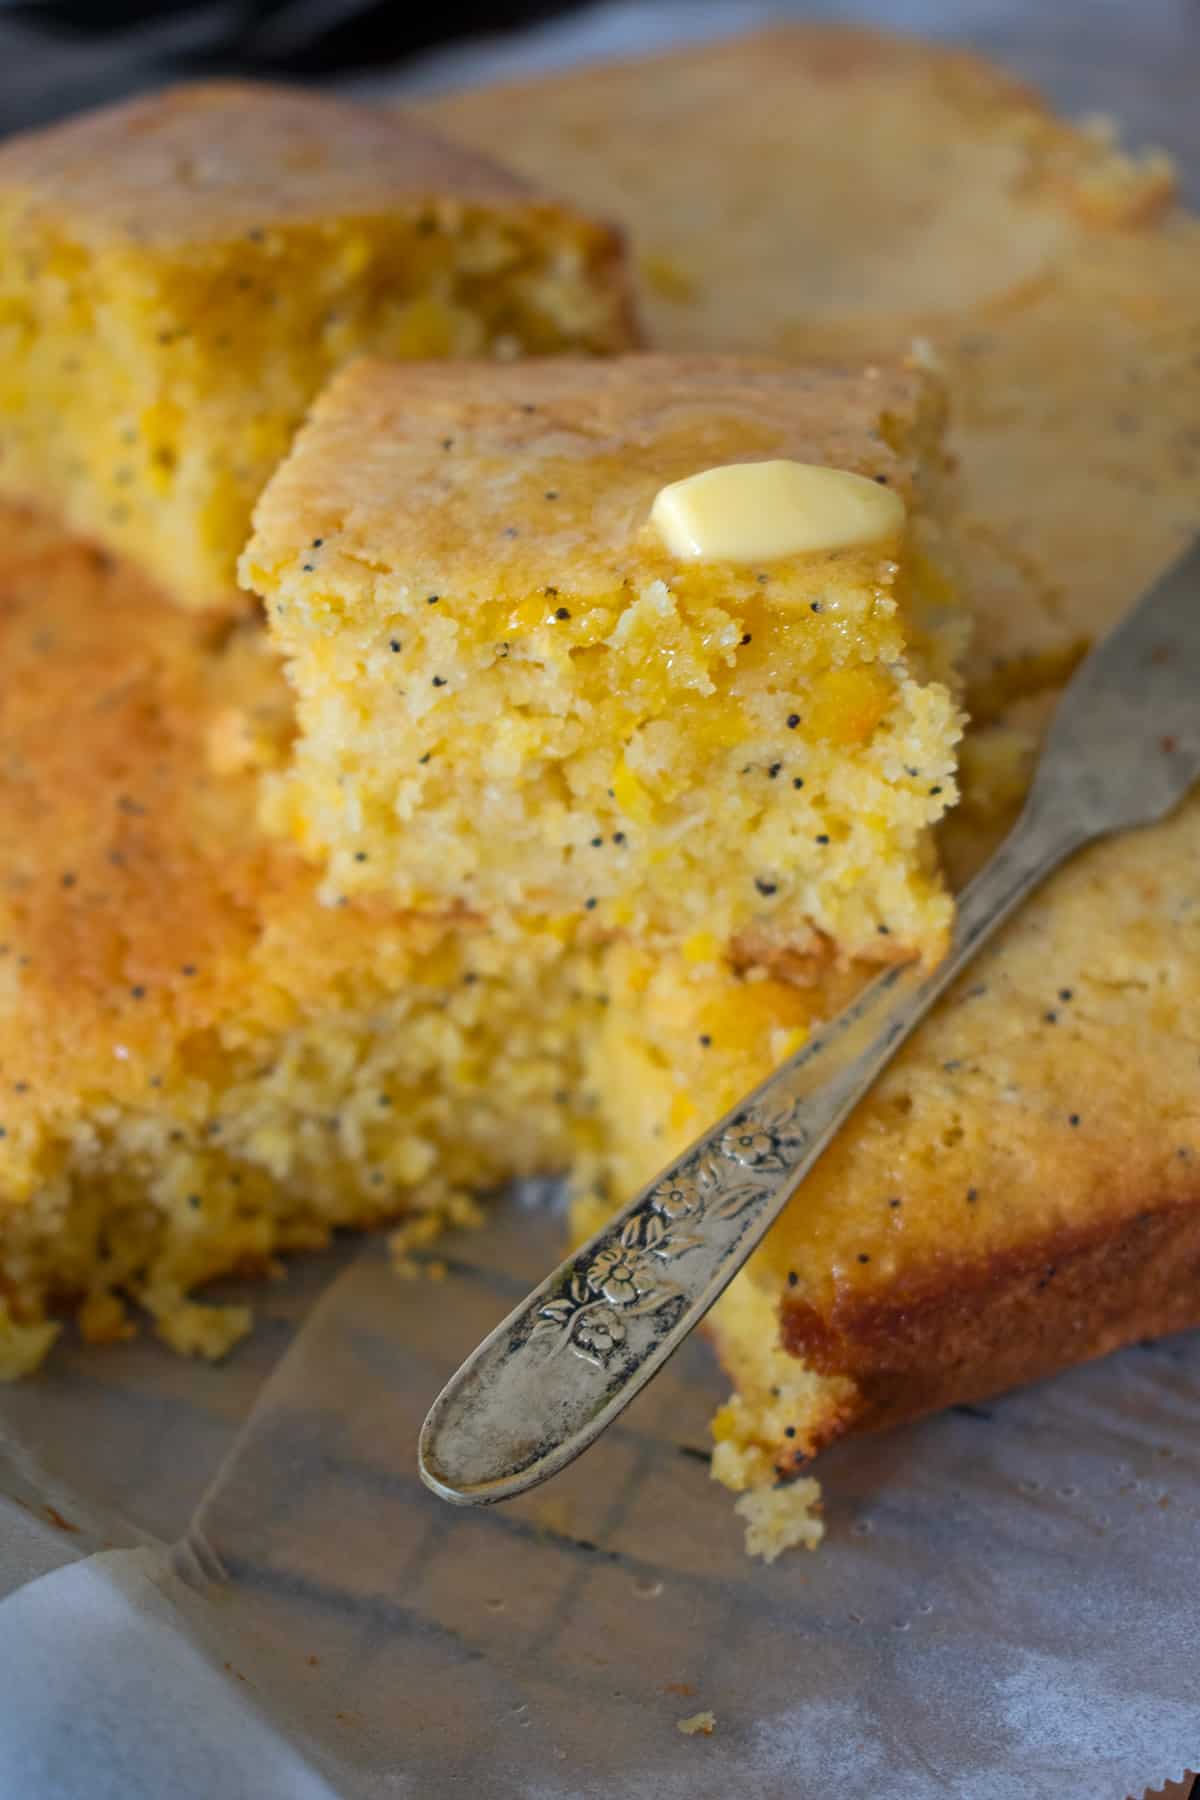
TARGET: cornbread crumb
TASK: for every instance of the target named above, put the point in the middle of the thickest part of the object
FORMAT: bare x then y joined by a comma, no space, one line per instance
103,1318
179,274
450,1212
781,1518
1110,187
193,1328
23,1345
701,1724
513,698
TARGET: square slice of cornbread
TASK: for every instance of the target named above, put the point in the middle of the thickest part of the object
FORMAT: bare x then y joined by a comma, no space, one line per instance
514,698
180,274
200,1066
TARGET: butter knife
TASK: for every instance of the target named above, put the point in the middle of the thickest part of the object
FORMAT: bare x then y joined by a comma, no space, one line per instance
1123,749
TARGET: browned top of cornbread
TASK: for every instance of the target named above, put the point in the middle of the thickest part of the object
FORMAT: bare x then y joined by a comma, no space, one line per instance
1022,1188
139,908
1055,1088
192,164
508,478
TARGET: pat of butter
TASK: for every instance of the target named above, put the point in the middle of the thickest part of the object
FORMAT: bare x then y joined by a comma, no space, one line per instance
761,511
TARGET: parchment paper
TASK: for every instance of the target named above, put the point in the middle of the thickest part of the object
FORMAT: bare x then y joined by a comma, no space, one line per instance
230,1582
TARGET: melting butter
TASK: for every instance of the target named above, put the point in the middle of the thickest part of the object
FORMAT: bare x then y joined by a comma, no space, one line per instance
762,511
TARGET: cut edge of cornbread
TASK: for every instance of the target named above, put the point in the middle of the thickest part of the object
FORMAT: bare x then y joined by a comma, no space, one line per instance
183,271
200,1066
512,698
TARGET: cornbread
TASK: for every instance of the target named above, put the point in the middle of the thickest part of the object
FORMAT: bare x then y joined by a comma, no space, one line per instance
1024,1183
975,1226
515,697
200,1066
179,275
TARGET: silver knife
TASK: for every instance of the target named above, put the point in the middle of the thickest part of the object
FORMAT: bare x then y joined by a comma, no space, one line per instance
1123,749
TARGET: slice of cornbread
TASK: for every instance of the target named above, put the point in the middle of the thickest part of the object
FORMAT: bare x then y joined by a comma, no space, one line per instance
1059,290
512,695
200,1066
179,275
1020,1191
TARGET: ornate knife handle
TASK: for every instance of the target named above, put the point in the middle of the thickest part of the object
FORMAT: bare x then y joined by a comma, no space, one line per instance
560,1367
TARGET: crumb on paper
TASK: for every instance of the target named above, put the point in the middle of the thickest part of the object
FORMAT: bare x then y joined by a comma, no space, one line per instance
103,1318
780,1518
416,1268
738,1466
456,1211
701,1724
195,1328
22,1346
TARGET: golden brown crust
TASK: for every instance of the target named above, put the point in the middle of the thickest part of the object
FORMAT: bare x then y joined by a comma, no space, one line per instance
125,863
198,165
973,1328
193,162
140,905
370,472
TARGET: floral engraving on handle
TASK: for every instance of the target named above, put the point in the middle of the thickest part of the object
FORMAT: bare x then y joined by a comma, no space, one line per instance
626,1277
